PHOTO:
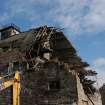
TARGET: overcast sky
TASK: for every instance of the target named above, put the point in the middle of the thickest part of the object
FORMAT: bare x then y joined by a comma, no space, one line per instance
83,22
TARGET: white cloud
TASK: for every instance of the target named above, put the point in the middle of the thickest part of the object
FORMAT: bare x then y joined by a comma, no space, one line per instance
99,66
95,18
99,62
70,14
22,9
100,77
4,17
82,16
77,16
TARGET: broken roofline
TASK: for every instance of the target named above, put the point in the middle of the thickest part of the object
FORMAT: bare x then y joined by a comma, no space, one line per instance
62,48
23,36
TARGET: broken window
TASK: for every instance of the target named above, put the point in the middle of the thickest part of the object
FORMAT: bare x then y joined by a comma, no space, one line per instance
5,49
54,85
4,35
16,66
20,66
1,50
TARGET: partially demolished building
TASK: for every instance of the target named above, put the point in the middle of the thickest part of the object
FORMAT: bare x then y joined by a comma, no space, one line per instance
51,71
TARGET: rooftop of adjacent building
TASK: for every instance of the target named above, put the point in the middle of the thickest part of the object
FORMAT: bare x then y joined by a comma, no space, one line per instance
8,26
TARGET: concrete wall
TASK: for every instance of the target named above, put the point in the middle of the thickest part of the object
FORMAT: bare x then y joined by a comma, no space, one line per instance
83,99
102,91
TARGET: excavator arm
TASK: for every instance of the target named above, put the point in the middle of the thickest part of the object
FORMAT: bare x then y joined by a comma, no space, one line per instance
15,82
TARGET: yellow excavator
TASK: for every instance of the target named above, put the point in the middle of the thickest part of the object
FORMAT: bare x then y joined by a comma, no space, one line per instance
15,82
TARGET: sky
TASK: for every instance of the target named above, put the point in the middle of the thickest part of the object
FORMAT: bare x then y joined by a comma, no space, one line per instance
83,22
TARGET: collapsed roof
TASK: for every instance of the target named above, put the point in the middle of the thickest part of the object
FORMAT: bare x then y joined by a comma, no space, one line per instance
46,40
